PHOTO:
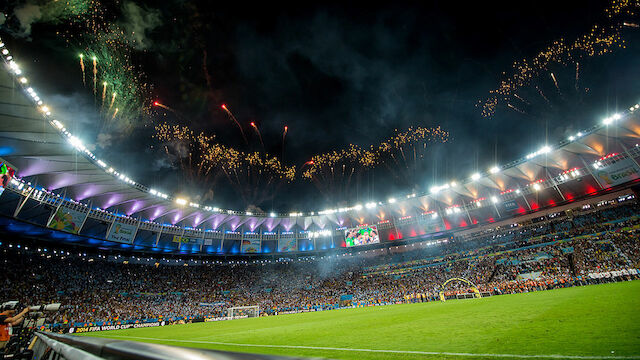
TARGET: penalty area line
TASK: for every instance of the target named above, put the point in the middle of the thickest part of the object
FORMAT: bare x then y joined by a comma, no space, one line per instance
302,347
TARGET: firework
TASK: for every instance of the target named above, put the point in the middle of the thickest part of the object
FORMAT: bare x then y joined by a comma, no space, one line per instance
95,74
577,75
599,41
226,109
90,26
113,99
284,134
402,154
255,176
555,82
82,69
114,114
255,127
104,91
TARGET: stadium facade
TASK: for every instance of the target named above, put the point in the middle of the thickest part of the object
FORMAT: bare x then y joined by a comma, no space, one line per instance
65,193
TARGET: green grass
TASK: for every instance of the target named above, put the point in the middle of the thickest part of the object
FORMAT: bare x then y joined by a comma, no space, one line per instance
591,320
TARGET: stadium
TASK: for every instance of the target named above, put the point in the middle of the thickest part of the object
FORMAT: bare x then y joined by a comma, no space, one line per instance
536,257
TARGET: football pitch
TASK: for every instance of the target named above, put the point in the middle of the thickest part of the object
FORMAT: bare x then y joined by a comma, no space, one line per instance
591,322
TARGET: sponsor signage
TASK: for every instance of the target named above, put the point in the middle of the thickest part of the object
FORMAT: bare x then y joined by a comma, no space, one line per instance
186,240
618,173
251,246
285,245
510,205
67,219
121,232
84,329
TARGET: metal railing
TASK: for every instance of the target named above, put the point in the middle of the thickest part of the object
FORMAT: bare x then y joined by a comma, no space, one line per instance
52,346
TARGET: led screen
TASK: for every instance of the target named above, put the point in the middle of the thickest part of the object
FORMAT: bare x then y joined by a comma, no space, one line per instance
363,235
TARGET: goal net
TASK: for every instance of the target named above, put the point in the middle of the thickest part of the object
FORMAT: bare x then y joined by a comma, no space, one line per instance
239,312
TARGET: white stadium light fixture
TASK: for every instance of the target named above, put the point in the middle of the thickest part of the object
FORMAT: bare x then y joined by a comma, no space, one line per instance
434,189
494,170
476,176
571,138
616,117
454,184
181,201
391,200
536,187
272,215
607,121
58,124
370,205
494,199
358,207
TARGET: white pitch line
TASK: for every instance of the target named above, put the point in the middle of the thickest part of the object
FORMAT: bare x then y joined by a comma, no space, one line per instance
586,357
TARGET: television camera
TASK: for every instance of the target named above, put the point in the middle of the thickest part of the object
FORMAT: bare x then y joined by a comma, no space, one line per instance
23,333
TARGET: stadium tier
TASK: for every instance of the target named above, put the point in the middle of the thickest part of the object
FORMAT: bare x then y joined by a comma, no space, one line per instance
594,243
63,191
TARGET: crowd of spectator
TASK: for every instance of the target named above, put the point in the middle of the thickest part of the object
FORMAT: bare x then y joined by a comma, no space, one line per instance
565,249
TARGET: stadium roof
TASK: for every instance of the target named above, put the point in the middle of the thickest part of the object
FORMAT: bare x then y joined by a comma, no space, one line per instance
46,155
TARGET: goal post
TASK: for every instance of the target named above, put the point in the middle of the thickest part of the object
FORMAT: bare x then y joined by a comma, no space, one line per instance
239,312
475,294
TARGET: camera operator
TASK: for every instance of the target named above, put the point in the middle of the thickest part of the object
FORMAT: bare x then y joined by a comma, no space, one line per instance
9,318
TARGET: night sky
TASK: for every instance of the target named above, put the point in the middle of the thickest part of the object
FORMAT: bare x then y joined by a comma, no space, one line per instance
335,75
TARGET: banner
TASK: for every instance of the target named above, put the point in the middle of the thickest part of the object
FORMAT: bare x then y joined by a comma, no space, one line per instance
67,219
83,329
618,173
219,303
186,240
250,246
121,232
285,245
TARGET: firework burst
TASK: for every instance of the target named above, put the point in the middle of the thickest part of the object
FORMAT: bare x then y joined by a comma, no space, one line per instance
599,41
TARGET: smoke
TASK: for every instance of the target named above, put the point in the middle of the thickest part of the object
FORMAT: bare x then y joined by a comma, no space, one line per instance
104,140
162,164
27,15
3,18
138,22
77,111
255,209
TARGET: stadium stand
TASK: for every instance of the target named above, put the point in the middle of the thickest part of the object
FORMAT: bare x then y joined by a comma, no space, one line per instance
593,245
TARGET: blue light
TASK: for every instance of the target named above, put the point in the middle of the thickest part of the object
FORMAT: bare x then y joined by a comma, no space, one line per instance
6,150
